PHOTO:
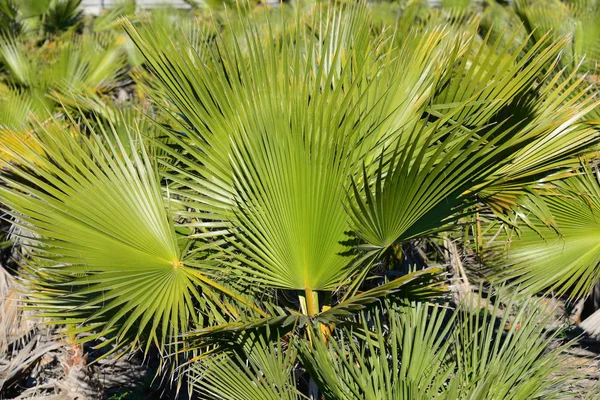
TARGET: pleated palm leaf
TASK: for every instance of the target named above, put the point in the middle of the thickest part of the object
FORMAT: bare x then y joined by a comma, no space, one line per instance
552,140
83,63
564,257
103,252
558,113
419,351
304,254
493,74
257,370
261,151
390,353
504,351
555,107
40,80
272,136
577,22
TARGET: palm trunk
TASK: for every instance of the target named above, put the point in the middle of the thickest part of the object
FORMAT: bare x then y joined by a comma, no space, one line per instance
79,382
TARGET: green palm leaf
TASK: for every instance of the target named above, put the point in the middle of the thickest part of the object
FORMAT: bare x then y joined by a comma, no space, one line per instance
408,359
492,74
260,370
419,285
277,171
424,351
102,243
569,261
502,350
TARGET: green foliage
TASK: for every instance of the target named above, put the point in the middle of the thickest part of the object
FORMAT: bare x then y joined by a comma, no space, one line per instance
258,370
250,190
563,257
104,234
9,23
420,351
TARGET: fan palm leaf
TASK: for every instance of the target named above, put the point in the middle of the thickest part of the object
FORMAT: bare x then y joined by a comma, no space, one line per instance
564,257
102,245
273,132
424,351
260,370
291,225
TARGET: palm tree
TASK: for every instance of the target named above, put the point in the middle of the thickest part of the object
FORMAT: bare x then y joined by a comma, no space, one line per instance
286,171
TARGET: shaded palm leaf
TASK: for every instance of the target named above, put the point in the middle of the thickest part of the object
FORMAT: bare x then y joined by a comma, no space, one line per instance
542,260
423,284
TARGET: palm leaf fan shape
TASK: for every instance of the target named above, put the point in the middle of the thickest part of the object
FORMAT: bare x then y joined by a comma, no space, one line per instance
103,247
565,257
407,359
256,369
274,130
274,133
423,351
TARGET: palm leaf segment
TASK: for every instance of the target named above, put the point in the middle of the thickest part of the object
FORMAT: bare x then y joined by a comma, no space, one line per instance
577,22
260,371
103,247
421,351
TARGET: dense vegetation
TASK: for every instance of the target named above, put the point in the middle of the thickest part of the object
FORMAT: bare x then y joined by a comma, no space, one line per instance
317,200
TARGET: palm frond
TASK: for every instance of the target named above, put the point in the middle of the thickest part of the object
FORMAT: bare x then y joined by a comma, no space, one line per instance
563,262
422,351
261,370
103,247
289,228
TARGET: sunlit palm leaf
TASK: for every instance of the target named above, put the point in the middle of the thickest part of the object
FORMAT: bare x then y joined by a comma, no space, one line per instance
418,351
273,139
554,117
502,350
99,227
407,359
492,74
